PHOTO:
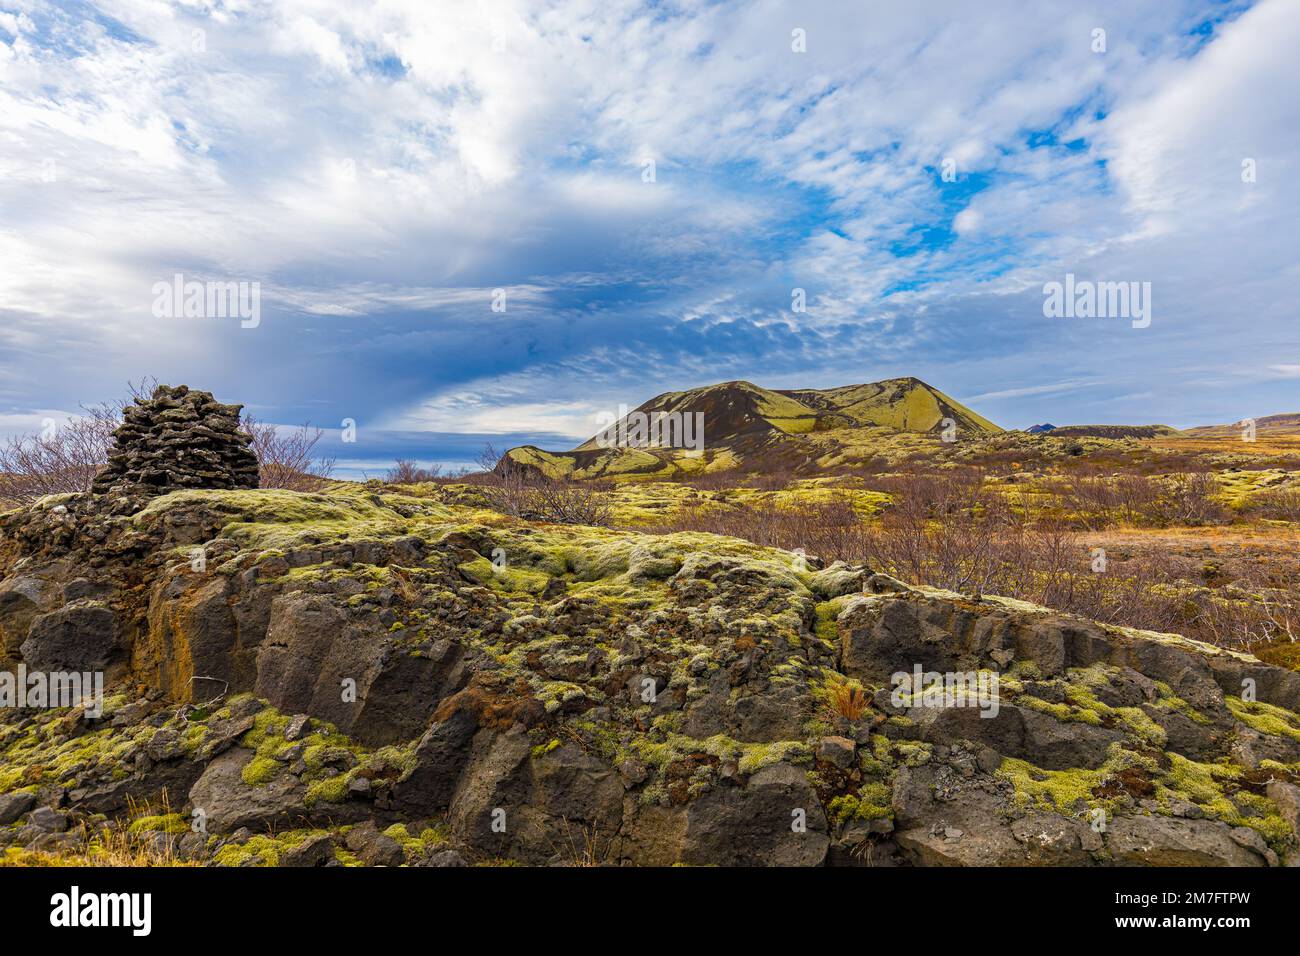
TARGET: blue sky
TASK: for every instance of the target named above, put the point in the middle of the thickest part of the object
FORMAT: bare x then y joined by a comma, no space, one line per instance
382,169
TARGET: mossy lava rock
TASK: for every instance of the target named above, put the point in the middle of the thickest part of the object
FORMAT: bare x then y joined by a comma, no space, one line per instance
178,438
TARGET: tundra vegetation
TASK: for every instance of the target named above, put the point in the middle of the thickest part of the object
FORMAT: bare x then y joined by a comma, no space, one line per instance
597,657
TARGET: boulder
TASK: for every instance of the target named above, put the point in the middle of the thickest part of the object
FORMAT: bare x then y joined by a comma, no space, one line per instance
774,820
374,848
316,850
1171,841
78,637
14,805
229,803
22,599
839,579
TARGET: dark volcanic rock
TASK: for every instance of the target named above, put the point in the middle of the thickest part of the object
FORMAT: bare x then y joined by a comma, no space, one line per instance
354,656
73,638
178,438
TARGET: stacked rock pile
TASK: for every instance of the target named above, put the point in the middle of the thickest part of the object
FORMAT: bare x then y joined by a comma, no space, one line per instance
178,438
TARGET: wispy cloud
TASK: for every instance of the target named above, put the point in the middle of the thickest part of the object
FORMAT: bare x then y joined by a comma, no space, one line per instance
383,169
1051,388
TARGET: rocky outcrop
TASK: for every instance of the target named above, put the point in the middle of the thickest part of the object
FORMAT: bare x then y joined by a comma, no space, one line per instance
359,676
178,438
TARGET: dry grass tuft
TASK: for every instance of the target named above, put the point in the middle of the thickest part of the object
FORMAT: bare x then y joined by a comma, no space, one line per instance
847,698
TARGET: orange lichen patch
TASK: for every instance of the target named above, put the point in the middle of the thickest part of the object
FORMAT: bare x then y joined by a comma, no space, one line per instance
493,707
161,658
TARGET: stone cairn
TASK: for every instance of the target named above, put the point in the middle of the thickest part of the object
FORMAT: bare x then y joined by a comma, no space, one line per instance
178,438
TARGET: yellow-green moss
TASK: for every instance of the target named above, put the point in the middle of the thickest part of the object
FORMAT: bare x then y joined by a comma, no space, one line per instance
1204,785
871,802
262,849
260,770
546,748
1265,718
1064,791
160,823
415,846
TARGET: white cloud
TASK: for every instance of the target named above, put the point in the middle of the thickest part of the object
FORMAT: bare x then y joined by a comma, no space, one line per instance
407,156
1050,388
470,414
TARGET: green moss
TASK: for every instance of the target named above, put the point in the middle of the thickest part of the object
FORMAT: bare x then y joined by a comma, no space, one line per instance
1063,712
507,580
260,770
1169,701
546,748
276,520
1024,671
826,613
333,789
409,843
754,757
1201,783
161,823
266,723
415,846
913,753
1135,720
1211,786
1065,791
750,757
556,693
1265,718
262,849
871,802
1082,705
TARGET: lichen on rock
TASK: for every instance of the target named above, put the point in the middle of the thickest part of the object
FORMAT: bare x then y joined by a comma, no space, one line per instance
359,676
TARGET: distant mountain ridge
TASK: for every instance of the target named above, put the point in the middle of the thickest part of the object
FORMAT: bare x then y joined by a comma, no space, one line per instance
742,421
1287,424
1111,431
1271,425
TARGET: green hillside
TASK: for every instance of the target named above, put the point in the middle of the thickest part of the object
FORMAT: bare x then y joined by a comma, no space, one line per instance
743,425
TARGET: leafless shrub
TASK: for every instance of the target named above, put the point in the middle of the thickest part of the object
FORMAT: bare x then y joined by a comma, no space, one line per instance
571,502
287,459
62,459
714,480
1243,624
527,493
58,460
950,532
1098,502
779,478
1192,499
829,528
1279,504
407,472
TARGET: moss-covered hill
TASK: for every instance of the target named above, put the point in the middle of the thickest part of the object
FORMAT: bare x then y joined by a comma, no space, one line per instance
366,677
745,426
